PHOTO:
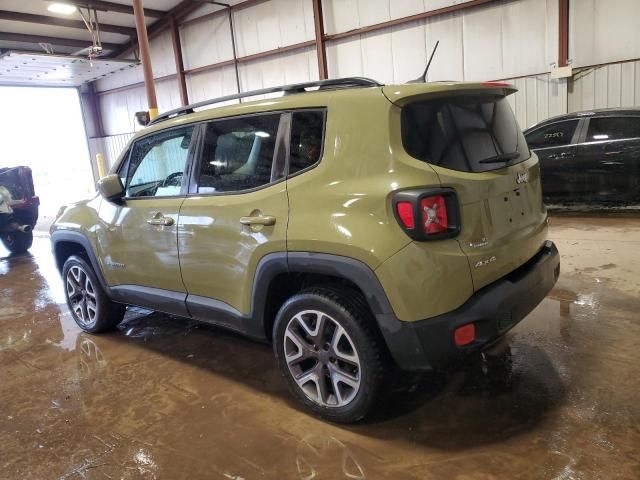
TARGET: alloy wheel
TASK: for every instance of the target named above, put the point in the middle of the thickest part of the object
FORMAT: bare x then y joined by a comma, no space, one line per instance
322,359
82,295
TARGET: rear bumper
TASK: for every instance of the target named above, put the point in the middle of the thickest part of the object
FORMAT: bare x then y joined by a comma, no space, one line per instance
495,309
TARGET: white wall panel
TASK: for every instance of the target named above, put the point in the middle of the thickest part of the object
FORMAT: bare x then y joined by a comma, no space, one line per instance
603,31
344,15
205,42
615,85
294,67
273,24
118,108
538,98
162,61
498,41
211,84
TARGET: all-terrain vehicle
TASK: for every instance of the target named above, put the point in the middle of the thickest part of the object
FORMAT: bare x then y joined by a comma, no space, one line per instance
18,208
361,228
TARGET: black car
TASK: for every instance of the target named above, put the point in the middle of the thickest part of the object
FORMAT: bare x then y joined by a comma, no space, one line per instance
589,157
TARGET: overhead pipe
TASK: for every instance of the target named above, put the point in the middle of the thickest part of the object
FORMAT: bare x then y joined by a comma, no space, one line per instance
145,58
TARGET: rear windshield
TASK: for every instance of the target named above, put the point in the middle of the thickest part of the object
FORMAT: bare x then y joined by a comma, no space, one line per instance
469,134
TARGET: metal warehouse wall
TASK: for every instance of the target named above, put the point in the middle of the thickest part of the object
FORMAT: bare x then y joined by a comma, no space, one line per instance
516,40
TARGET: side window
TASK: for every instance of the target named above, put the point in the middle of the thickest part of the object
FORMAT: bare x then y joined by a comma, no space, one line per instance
157,164
554,135
613,128
238,153
307,129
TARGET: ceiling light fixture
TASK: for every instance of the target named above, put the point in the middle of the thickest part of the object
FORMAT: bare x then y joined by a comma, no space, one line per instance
62,8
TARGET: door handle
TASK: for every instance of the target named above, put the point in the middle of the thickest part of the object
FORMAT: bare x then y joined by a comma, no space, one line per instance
266,220
160,220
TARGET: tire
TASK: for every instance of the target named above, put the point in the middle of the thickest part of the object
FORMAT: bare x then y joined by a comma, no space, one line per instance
332,357
88,303
17,242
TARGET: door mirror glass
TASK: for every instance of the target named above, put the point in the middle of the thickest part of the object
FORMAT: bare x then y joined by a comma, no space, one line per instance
110,187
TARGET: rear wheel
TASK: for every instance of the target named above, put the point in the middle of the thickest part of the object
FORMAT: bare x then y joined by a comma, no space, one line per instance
17,241
89,304
330,354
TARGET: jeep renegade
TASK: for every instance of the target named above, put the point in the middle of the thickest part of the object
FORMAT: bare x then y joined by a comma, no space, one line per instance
360,228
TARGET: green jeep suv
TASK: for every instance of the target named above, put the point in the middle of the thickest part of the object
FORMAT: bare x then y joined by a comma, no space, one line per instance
361,228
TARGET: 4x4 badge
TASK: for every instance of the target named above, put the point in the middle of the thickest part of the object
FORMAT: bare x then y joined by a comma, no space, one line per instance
522,177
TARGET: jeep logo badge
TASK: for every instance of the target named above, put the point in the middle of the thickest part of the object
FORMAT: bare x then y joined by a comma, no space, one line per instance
522,177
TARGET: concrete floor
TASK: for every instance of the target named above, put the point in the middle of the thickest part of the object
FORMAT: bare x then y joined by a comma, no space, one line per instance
168,398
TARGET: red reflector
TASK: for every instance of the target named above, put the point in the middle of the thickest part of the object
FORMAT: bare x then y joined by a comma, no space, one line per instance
465,335
405,213
434,214
496,84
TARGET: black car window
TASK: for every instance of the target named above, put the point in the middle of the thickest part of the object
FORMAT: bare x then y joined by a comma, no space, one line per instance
554,135
613,128
307,128
157,163
238,153
465,133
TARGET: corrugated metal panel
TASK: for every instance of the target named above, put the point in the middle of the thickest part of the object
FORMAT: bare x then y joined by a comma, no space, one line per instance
206,42
538,98
110,147
162,60
603,31
273,24
497,41
344,15
118,108
615,85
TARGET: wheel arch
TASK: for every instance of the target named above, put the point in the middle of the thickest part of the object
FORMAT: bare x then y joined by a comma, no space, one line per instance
281,275
67,243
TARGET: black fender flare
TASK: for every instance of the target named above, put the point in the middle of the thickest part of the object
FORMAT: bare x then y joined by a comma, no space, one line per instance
80,239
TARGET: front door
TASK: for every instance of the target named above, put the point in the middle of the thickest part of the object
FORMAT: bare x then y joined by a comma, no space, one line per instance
236,213
138,237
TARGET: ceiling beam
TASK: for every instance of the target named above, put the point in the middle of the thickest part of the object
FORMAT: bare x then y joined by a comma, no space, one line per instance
178,12
63,22
67,42
115,7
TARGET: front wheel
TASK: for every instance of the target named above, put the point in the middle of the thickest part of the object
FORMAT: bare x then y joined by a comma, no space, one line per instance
330,354
17,241
89,304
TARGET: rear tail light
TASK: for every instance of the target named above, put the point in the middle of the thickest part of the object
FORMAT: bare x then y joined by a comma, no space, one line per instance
465,335
405,214
427,214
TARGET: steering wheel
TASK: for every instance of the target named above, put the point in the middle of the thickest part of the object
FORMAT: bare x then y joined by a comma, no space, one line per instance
171,180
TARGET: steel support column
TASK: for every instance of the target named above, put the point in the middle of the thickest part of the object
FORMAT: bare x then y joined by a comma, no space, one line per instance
177,54
320,47
563,32
145,58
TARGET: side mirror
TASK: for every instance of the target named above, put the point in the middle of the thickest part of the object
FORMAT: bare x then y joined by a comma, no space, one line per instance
110,187
143,118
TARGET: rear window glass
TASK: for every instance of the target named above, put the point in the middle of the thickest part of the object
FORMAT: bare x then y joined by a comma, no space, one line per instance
554,135
469,134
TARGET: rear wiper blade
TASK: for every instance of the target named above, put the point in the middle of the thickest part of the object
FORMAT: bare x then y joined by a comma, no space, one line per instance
504,157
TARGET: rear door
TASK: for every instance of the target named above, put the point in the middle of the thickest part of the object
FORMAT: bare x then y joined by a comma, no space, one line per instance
554,144
611,157
475,145
235,214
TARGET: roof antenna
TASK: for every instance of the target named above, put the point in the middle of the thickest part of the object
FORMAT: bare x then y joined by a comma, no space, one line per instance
423,78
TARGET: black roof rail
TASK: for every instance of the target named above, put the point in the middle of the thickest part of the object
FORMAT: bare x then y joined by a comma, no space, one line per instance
287,89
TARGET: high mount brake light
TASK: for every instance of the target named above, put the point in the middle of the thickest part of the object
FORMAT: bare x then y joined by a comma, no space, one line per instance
428,214
496,84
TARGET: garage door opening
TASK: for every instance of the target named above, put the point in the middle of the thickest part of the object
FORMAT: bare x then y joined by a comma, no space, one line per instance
43,129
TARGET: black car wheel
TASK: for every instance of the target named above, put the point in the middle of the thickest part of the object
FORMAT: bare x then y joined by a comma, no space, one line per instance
90,306
17,241
330,354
